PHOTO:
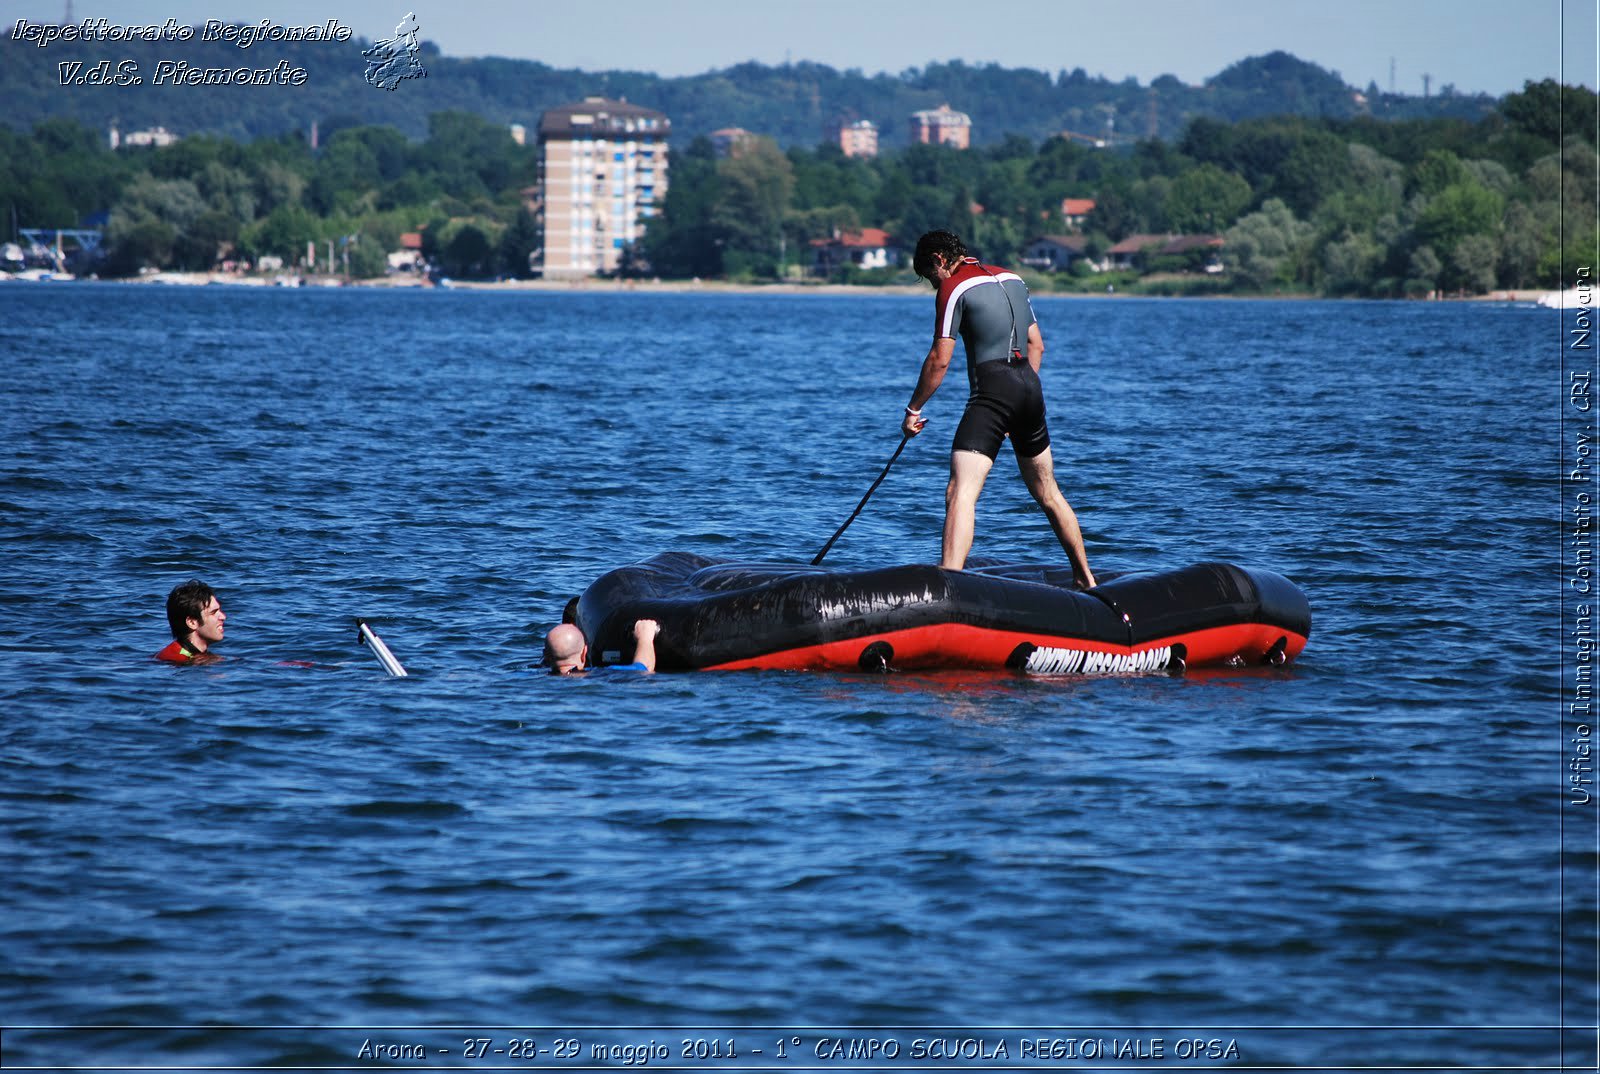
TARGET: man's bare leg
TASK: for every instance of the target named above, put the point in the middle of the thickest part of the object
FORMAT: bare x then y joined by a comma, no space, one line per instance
968,469
1040,475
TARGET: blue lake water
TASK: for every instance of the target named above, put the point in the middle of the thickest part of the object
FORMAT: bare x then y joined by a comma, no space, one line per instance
1369,839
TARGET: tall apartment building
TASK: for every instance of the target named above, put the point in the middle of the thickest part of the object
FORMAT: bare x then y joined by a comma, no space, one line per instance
858,139
942,126
602,174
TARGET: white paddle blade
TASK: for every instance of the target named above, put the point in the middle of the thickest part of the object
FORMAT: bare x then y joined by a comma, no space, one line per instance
381,651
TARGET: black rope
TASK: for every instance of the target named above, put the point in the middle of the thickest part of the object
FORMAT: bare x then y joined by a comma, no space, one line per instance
904,439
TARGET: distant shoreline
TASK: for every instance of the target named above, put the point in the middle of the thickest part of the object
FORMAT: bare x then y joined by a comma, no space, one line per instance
655,286
711,287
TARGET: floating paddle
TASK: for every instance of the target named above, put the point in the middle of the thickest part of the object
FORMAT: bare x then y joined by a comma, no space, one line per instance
904,439
380,650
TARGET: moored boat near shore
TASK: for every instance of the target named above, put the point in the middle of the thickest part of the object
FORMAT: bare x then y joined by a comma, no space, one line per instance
1571,299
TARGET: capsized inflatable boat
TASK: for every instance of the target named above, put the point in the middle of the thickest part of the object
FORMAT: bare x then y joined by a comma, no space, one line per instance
719,615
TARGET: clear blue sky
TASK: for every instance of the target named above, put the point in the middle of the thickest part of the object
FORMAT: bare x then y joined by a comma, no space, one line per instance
1490,46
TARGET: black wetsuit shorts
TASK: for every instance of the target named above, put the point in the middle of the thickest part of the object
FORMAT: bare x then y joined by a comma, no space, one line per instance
1006,398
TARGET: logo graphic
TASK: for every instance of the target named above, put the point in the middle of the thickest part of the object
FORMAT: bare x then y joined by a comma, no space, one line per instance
394,59
1048,661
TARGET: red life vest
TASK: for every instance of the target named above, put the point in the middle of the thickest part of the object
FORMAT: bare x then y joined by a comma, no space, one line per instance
177,653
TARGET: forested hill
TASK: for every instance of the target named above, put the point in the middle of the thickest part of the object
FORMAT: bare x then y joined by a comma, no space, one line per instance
792,103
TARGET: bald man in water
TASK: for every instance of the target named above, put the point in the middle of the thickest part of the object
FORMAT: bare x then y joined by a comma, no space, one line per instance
566,652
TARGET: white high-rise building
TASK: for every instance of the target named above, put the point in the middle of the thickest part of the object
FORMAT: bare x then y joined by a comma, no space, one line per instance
602,174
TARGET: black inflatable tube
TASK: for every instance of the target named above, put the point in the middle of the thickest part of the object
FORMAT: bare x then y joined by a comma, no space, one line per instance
717,614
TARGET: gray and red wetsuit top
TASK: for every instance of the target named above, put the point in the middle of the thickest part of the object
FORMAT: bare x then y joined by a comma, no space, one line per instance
987,306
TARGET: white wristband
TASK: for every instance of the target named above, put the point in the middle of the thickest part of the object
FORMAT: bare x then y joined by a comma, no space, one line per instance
914,413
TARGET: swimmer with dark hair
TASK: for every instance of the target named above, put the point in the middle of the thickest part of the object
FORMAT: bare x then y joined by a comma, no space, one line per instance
197,621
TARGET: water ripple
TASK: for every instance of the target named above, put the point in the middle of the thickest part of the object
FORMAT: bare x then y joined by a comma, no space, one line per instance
1360,838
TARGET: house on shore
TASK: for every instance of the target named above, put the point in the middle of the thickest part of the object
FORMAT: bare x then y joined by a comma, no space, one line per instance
1054,253
869,248
1136,251
408,258
1075,211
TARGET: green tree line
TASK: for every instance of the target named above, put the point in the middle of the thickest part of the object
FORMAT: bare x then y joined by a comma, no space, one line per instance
205,199
1339,206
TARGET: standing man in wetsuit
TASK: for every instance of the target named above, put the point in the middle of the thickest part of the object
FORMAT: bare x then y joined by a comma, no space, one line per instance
197,621
988,306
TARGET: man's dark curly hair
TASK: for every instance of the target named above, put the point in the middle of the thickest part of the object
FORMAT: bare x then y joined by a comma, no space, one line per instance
186,602
946,244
